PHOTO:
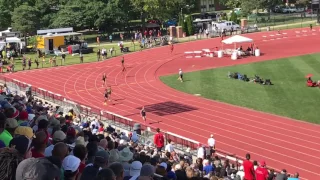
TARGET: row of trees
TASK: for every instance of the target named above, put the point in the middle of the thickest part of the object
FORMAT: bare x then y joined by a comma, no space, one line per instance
29,15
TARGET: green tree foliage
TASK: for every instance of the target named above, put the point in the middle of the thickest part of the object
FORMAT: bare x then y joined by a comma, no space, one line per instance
25,19
233,17
189,25
185,28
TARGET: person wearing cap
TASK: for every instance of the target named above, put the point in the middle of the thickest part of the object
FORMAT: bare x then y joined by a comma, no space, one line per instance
58,136
70,165
5,136
134,171
147,171
11,125
23,145
38,168
262,171
71,135
24,131
100,162
158,140
23,118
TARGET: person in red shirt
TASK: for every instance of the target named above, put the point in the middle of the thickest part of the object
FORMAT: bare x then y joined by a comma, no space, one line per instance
248,168
39,144
262,172
159,140
101,128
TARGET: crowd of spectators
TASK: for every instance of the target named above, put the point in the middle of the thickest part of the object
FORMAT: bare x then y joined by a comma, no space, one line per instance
39,142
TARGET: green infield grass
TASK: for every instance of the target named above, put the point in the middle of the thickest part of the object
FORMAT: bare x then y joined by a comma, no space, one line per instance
289,96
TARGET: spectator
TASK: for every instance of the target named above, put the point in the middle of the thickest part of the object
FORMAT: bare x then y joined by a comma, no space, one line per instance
24,131
248,168
59,152
261,171
9,160
23,118
282,175
70,164
5,136
147,172
23,145
105,174
118,170
170,174
11,125
92,150
211,143
134,173
58,136
201,152
159,140
39,168
295,177
208,168
169,147
39,144
102,145
100,162
114,156
80,152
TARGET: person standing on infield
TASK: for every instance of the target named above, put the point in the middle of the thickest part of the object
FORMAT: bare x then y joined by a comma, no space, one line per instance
180,75
143,114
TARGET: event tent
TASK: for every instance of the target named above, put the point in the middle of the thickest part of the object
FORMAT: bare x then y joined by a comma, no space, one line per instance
237,39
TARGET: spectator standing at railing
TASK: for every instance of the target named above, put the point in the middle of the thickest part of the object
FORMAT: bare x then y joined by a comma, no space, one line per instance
201,152
212,144
158,140
248,168
169,147
262,171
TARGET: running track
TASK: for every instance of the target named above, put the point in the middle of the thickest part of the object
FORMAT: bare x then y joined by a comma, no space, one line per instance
280,141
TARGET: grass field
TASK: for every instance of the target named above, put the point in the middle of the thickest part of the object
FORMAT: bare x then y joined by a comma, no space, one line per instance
289,95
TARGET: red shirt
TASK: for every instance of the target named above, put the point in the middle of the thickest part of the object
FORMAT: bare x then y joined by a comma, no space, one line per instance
101,129
158,140
261,173
248,170
36,154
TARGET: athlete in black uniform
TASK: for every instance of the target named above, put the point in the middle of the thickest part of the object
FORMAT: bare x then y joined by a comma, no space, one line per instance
143,114
122,64
106,97
104,79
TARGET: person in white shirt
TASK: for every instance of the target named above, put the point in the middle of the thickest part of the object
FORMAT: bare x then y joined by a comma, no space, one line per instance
201,152
180,75
212,144
169,147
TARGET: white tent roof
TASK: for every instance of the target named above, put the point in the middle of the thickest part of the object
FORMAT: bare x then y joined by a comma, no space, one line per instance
237,39
13,40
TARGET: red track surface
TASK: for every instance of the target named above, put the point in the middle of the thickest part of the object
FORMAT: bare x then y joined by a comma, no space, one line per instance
280,141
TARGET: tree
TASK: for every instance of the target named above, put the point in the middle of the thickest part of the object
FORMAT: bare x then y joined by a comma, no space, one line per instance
5,17
189,25
185,28
25,19
233,17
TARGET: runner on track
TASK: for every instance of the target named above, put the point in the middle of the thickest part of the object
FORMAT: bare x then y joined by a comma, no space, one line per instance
122,65
171,47
143,114
104,79
180,75
109,91
106,97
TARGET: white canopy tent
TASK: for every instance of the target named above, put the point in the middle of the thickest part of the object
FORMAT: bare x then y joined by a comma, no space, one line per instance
236,40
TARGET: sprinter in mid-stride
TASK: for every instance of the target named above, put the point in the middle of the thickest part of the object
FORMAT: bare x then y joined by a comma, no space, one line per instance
104,79
143,114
